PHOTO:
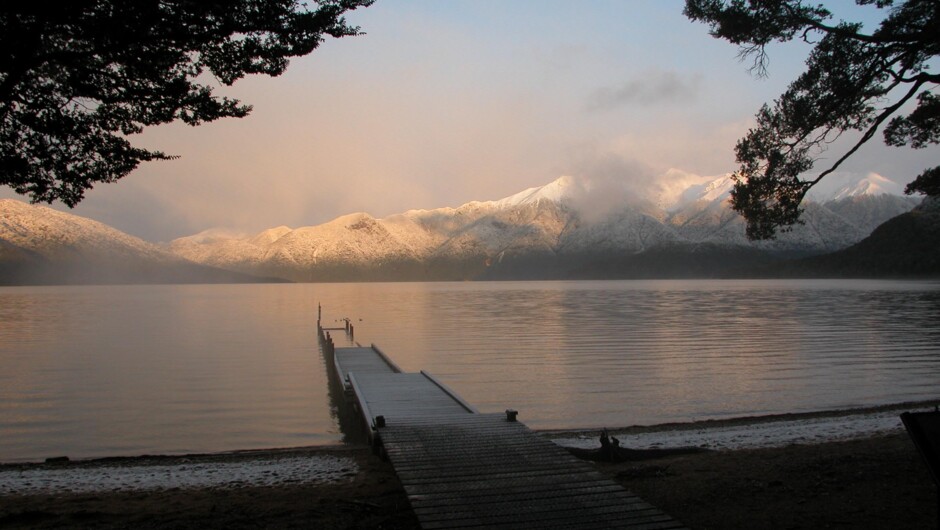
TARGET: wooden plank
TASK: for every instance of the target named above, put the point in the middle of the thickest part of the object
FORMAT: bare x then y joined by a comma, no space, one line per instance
539,516
481,470
513,504
417,452
363,405
401,396
450,489
386,358
521,491
470,408
359,360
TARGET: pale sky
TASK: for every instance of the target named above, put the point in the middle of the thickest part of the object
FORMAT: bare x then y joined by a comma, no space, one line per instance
444,102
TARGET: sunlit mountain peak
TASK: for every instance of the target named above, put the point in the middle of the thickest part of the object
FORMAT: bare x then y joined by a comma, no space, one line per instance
842,186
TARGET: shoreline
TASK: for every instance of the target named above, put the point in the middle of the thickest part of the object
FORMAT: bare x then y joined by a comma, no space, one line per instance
556,434
869,480
763,418
646,434
334,464
752,432
878,482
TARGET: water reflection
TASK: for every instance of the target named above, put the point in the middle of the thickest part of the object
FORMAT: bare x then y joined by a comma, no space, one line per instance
141,369
92,371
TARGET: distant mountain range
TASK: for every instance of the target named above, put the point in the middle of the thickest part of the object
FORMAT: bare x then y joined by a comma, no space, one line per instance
904,246
39,245
569,228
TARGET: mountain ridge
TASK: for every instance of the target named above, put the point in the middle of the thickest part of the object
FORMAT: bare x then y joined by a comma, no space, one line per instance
39,245
551,231
902,247
569,228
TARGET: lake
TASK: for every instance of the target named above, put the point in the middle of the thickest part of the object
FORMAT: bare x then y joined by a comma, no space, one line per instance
127,370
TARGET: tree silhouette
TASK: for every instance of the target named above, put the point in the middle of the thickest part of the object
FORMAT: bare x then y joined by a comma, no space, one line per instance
854,81
79,77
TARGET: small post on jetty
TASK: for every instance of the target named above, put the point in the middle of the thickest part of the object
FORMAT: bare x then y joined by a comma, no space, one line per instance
320,335
347,324
327,342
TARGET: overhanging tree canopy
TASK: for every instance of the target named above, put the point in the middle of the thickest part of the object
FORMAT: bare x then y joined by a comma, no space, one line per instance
79,77
854,81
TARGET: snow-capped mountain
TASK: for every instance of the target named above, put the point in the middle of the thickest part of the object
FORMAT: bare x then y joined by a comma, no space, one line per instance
570,227
42,245
838,186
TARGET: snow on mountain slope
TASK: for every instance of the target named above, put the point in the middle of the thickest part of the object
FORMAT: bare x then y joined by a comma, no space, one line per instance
838,186
39,245
57,235
629,230
834,187
676,189
269,236
351,239
529,225
566,218
218,248
560,191
559,225
714,190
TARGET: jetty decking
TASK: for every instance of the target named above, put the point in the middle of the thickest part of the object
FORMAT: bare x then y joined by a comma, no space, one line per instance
463,469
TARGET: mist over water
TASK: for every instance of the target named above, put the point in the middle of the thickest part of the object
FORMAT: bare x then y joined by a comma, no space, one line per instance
126,370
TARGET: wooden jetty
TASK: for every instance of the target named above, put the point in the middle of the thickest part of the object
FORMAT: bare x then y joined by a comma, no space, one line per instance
464,469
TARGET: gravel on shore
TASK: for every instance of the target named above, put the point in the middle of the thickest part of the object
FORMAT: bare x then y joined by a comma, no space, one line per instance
769,472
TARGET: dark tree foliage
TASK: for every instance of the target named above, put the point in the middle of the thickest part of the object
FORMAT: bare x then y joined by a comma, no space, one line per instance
78,77
854,81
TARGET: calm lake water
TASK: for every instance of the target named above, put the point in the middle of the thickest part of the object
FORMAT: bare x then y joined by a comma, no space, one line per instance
128,370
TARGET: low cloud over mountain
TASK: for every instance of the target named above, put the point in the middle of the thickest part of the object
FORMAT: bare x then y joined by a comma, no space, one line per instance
569,228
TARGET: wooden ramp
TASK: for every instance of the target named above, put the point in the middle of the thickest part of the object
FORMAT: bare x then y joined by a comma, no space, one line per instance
481,470
463,469
362,360
406,397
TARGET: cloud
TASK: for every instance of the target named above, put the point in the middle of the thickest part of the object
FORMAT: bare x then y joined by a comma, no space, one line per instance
607,182
651,89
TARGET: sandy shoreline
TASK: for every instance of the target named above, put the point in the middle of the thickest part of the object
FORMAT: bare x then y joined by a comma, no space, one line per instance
852,469
755,432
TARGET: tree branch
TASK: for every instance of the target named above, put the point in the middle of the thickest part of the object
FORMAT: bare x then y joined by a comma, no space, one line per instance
872,39
887,112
